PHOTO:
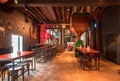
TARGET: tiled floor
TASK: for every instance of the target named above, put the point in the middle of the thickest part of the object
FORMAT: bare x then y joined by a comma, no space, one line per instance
65,67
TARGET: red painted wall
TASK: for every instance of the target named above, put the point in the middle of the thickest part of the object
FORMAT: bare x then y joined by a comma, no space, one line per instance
42,33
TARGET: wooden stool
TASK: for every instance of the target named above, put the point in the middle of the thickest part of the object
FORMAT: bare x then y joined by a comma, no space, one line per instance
17,68
2,72
30,62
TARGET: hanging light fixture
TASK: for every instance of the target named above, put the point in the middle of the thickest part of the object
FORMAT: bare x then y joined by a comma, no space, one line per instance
3,1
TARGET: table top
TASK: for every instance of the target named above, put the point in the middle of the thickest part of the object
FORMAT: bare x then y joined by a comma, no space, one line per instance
85,50
13,56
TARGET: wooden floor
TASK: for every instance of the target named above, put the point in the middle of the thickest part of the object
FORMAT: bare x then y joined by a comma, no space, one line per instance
65,67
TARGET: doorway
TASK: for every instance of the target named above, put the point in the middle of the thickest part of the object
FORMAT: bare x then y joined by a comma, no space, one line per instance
17,43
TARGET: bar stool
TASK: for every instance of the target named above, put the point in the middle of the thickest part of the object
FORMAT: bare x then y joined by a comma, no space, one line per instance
26,67
2,72
17,68
28,62
5,68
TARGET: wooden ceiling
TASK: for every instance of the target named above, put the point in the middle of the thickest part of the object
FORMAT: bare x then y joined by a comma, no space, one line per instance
57,11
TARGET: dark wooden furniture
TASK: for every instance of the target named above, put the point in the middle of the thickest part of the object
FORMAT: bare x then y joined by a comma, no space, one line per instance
89,58
3,68
13,56
45,53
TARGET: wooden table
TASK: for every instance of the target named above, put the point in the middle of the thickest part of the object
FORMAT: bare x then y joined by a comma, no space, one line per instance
13,56
89,54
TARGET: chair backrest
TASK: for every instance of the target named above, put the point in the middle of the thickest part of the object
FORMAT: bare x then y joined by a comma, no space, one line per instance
6,50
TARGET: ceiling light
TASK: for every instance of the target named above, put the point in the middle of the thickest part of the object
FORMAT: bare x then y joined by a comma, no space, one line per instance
26,9
16,1
68,9
63,26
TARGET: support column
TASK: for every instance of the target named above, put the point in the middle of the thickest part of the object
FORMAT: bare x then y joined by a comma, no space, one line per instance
63,33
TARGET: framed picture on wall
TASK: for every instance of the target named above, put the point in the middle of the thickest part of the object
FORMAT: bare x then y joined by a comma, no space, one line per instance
33,32
2,31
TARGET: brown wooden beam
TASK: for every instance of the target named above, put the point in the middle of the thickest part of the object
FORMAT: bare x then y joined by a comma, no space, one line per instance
51,11
71,3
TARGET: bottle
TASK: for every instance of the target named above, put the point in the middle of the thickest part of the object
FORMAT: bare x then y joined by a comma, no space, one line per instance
18,52
88,48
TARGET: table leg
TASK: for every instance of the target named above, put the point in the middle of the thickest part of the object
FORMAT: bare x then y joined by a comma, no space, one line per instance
98,62
83,62
34,62
12,79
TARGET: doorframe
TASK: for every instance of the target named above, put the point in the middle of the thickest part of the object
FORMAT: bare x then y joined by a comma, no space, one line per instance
18,42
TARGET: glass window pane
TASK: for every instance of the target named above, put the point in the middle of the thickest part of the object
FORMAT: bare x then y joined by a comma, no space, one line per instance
55,36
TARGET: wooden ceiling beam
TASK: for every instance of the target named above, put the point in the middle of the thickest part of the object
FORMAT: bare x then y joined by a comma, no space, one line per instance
58,22
37,16
30,12
52,13
68,9
34,9
46,13
63,14
41,16
41,13
60,3
58,14
22,11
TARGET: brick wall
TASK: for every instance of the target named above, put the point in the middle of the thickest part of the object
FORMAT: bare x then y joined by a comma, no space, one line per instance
14,23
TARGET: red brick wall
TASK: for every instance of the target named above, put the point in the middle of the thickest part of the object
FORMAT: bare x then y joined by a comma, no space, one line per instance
14,23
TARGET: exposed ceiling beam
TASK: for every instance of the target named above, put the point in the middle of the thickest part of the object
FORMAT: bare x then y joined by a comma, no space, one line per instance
52,13
70,3
46,12
41,16
58,13
23,12
33,9
41,13
58,22
32,14
63,14
68,13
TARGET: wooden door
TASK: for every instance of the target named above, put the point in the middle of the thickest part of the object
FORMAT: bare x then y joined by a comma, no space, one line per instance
111,47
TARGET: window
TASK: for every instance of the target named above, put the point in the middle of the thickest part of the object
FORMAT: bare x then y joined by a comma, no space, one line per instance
54,36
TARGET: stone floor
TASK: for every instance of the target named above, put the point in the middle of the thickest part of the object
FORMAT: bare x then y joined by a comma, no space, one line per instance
65,67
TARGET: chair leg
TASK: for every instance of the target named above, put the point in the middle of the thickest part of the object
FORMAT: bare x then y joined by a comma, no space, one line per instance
16,76
8,76
23,74
28,68
2,75
32,65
